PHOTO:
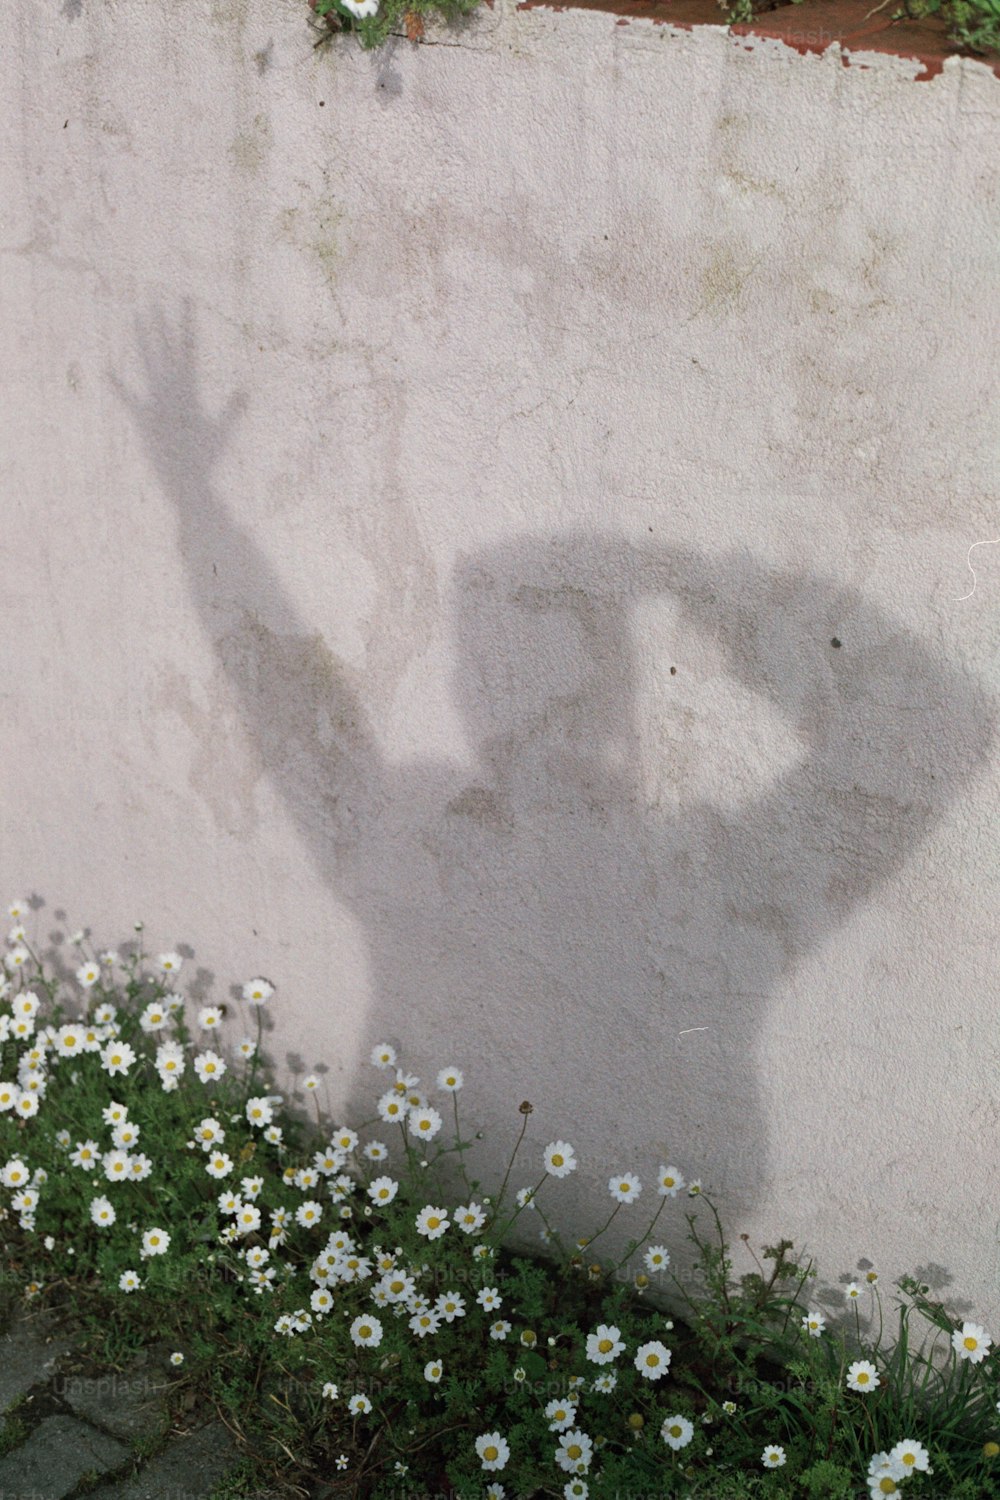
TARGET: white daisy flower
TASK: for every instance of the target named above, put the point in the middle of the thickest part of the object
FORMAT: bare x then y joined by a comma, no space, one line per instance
470,1218
124,1135
366,1332
576,1489
862,1376
85,1155
910,1456
18,909
499,1330
489,1298
155,1242
258,991
450,1306
971,1342
604,1344
392,1108
384,1056
773,1457
450,1080
605,1384
308,1214
259,1111
398,1286
177,1358
423,1323
493,1450
652,1360
383,1191
209,1066
117,1057
574,1452
625,1188
117,1165
344,1139
432,1222
376,1151
140,1168
852,1291
247,1218
209,1018
559,1159
357,1406
330,1391
561,1415
310,1083
219,1165
676,1432
669,1182
16,959
69,1041
424,1124
14,1174
26,1105
433,1371
814,1323
657,1258
128,1281
169,963
88,975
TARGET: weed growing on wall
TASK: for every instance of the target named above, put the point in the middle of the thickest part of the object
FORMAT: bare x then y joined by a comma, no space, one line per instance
972,24
373,21
346,1295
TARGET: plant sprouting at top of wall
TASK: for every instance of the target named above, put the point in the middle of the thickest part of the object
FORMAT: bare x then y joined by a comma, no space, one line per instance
973,25
374,20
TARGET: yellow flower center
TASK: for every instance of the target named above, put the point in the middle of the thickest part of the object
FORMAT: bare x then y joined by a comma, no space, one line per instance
887,1486
491,1454
652,1360
557,1160
433,1222
574,1451
364,1332
862,1377
970,1343
675,1431
605,1345
623,1187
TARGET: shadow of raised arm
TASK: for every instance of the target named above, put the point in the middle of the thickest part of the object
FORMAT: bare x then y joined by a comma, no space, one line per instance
302,710
891,731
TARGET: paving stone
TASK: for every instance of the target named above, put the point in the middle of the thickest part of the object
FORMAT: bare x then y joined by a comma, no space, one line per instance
53,1460
187,1468
29,1353
127,1403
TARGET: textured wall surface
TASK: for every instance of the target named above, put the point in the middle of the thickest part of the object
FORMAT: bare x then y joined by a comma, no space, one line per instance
433,483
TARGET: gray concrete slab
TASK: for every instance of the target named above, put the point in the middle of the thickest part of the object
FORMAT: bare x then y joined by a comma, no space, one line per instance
52,1461
188,1468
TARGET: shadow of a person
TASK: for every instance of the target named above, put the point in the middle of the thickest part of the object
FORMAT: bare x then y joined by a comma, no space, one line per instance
543,899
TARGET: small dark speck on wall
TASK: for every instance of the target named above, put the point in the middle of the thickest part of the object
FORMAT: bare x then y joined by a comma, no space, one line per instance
835,643
673,671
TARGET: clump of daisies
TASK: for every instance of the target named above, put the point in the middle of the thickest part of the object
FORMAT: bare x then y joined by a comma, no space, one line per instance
355,1273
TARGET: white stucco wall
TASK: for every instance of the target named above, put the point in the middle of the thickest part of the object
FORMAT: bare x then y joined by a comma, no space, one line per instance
378,433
